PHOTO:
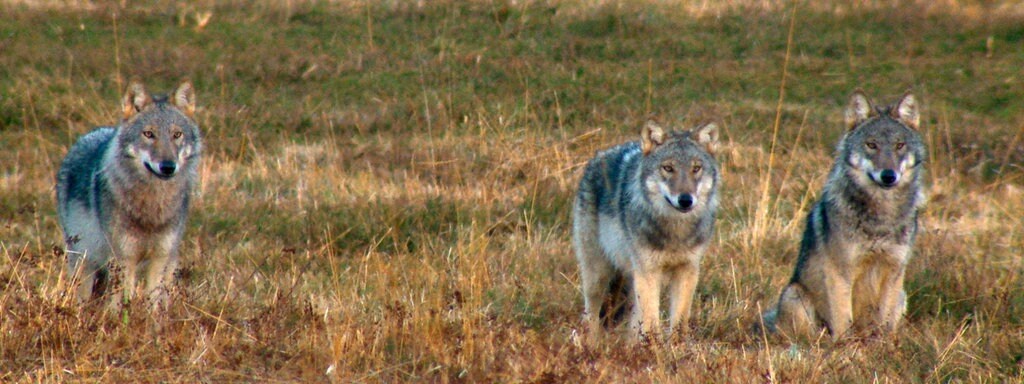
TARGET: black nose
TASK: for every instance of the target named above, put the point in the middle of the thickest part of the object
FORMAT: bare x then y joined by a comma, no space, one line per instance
686,201
888,177
167,168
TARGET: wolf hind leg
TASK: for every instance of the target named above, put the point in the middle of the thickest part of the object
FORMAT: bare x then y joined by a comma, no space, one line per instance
795,315
87,258
81,272
596,274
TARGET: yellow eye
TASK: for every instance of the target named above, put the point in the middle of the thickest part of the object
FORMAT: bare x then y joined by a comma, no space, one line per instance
668,168
872,145
148,134
177,135
899,146
696,168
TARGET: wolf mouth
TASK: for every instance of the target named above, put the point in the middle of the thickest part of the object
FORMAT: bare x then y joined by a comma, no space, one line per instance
678,208
157,174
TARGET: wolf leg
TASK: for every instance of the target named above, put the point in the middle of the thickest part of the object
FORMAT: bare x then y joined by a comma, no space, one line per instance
837,298
892,300
595,274
681,289
80,271
595,268
795,315
87,257
124,271
647,294
160,271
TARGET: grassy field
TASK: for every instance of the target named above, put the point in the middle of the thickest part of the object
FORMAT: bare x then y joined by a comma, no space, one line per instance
386,188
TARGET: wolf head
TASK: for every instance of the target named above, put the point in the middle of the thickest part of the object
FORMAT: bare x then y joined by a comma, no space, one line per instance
882,145
158,133
678,171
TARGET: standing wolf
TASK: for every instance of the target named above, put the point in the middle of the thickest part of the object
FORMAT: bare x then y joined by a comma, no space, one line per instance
123,194
645,213
859,236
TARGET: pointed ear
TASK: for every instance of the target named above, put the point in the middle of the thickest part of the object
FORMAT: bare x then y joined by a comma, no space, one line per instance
135,98
906,111
707,135
651,136
185,98
858,109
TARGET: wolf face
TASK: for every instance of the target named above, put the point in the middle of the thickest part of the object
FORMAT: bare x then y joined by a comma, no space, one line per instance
883,145
677,169
157,134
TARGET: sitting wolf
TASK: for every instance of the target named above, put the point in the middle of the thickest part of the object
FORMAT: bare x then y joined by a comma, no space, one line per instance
859,236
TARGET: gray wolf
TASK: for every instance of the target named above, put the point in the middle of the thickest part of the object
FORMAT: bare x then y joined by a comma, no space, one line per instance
859,236
645,214
123,195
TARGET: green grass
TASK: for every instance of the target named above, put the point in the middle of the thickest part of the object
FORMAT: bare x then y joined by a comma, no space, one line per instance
386,188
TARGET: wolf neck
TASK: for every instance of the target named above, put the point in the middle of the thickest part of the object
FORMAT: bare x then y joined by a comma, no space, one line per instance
142,200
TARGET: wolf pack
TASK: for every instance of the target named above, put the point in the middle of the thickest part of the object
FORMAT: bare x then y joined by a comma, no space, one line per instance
643,217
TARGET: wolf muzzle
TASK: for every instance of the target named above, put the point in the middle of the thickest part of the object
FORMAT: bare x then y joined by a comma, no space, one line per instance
684,202
165,170
888,178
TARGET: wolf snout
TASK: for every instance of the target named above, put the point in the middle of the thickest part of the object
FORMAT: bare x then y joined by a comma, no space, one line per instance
684,202
167,168
888,178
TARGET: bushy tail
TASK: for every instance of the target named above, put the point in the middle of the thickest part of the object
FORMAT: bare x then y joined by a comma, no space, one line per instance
617,304
768,321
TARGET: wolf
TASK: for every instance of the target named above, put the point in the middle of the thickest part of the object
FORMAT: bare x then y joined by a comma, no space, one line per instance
123,195
860,234
644,214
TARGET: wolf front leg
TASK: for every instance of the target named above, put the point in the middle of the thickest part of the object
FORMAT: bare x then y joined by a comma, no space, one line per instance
681,289
647,295
836,297
892,300
123,268
160,269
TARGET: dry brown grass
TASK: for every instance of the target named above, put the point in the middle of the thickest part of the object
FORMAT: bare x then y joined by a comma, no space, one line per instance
385,190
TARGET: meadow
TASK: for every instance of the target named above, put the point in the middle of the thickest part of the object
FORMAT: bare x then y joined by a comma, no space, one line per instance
386,186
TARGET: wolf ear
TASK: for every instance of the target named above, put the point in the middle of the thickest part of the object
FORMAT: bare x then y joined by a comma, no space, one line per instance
651,136
906,111
135,98
857,110
707,135
185,98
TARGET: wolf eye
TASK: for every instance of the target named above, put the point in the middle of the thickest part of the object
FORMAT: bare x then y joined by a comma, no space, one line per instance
148,134
668,168
872,145
899,146
177,135
696,168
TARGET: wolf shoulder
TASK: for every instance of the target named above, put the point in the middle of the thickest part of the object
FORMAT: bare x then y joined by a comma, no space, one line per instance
607,169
